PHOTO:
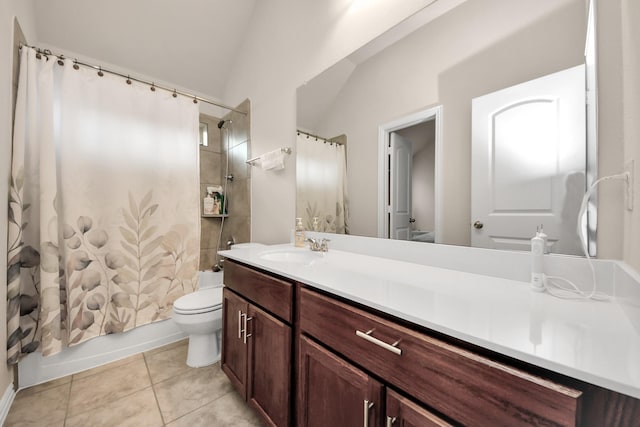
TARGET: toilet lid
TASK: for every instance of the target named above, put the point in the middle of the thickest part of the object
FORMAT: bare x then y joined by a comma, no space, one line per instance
199,301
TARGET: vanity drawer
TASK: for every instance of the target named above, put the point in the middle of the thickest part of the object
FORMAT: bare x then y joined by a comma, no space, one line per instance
465,386
270,293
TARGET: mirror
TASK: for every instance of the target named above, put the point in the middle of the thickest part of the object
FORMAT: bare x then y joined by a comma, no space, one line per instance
429,78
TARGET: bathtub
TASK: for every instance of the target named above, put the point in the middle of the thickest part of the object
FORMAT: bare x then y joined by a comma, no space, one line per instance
35,369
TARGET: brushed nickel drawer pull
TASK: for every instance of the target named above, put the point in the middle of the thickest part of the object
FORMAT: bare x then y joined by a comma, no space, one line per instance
246,319
391,347
390,421
367,407
240,324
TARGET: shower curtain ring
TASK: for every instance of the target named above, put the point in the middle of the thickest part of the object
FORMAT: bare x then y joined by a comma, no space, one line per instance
100,73
153,87
75,64
195,100
128,80
175,94
61,60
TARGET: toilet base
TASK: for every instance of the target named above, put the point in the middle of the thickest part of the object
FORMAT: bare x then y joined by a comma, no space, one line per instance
203,350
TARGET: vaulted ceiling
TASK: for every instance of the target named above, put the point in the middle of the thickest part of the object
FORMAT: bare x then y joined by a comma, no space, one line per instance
189,43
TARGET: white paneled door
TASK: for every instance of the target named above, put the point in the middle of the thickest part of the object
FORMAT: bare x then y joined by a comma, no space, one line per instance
400,161
528,163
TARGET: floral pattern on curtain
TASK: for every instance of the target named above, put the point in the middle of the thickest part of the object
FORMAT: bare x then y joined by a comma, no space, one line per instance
103,206
321,181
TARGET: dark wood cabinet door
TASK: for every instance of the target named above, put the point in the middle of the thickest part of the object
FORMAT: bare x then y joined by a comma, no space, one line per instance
332,392
269,369
234,350
401,412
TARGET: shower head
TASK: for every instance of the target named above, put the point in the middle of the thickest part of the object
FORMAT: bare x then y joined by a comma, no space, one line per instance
222,123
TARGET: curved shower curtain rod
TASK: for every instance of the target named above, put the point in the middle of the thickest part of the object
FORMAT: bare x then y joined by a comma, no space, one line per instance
153,85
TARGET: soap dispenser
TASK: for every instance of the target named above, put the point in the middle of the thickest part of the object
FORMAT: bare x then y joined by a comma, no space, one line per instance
299,234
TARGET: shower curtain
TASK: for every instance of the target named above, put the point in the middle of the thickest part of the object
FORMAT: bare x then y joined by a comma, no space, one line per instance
321,176
103,205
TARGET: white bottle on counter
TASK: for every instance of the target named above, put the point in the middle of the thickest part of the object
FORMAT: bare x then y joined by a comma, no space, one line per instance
537,262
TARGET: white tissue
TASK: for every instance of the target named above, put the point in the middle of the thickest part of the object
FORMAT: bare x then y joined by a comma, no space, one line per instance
273,160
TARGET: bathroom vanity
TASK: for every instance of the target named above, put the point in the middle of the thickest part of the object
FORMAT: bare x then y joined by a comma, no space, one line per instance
257,336
347,340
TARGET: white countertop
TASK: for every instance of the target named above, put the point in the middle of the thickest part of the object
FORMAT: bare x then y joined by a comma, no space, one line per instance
597,342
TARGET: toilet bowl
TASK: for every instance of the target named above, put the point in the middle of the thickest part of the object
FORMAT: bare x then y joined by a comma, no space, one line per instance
199,314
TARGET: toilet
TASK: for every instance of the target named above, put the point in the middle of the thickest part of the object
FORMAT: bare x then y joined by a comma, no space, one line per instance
199,314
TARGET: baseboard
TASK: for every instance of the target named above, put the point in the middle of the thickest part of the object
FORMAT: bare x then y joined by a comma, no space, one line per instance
5,403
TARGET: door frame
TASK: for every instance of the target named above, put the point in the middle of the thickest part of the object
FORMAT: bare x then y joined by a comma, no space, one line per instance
384,130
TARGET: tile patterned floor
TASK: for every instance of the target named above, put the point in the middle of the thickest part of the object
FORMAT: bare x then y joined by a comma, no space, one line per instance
151,389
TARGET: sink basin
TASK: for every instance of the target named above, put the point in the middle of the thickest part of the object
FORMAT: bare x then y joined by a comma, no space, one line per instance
291,256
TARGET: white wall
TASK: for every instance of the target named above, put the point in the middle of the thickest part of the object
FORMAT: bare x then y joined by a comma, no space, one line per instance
610,127
630,14
618,68
290,41
23,10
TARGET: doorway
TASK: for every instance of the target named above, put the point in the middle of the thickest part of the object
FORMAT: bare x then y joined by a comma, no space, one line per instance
408,177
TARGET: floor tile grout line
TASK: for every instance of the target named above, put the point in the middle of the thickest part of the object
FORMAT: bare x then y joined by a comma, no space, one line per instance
108,401
111,401
147,365
149,358
199,407
66,411
18,398
189,371
153,389
202,406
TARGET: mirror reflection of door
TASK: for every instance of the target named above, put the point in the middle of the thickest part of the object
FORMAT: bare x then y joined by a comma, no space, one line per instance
411,186
528,166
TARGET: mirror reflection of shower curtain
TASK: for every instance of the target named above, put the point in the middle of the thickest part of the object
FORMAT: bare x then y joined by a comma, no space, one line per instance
103,209
321,174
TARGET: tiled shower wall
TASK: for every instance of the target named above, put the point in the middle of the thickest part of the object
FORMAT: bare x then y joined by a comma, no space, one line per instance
213,161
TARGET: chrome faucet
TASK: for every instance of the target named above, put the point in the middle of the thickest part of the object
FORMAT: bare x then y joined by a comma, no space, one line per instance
317,245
